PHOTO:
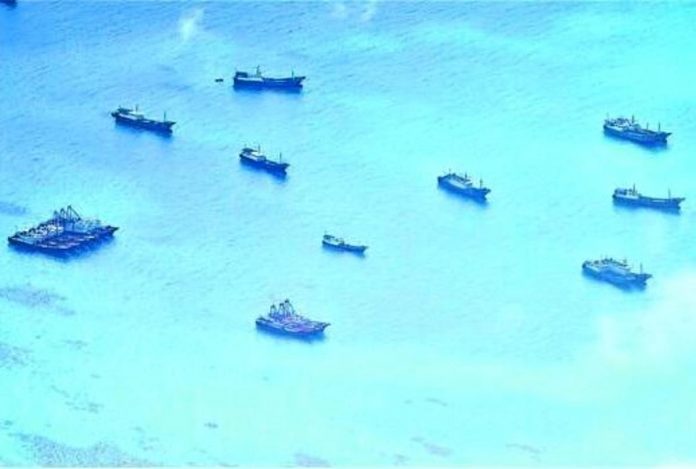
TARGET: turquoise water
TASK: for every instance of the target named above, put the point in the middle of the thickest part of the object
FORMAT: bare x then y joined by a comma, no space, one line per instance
467,334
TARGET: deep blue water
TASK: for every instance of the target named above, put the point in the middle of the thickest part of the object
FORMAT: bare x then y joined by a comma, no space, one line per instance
467,334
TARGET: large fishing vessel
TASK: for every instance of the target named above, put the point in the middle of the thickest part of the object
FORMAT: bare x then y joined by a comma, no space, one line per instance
135,118
629,129
631,196
334,242
615,272
463,185
65,232
254,157
283,319
259,81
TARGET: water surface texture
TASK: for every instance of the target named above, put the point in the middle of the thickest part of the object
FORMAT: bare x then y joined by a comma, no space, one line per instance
467,334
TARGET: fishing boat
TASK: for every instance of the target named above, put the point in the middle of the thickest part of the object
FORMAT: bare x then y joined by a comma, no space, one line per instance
135,118
254,157
335,242
629,129
630,196
257,80
463,185
615,272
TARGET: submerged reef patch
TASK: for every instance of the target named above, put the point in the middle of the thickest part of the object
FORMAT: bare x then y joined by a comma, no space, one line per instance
11,356
47,452
306,460
8,208
432,448
32,297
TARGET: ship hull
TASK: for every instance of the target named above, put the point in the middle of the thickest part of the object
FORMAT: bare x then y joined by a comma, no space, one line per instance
155,126
293,83
345,247
316,331
276,168
652,138
650,202
64,243
624,281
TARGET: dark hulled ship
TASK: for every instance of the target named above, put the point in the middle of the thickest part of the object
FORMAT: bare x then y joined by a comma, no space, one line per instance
632,197
257,80
615,272
283,319
65,232
334,242
463,185
134,118
254,157
629,129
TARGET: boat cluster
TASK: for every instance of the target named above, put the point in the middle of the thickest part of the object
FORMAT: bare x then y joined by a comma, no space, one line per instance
65,232
282,318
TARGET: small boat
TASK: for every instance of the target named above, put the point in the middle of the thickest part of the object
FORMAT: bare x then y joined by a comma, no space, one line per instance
283,319
629,129
219,80
632,197
134,118
463,185
258,81
339,243
254,157
615,272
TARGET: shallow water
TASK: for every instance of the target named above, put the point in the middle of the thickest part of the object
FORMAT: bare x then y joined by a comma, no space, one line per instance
467,333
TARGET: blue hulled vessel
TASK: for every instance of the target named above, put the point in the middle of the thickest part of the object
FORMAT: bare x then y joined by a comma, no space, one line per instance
334,242
616,272
283,319
258,81
634,198
463,185
134,118
629,129
254,157
65,232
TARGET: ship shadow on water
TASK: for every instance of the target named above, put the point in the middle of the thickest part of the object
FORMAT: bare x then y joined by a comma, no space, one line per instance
628,288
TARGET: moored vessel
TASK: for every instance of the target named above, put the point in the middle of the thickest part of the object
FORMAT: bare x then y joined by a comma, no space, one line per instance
335,242
616,272
629,129
258,81
256,158
630,196
65,232
463,185
282,318
134,118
